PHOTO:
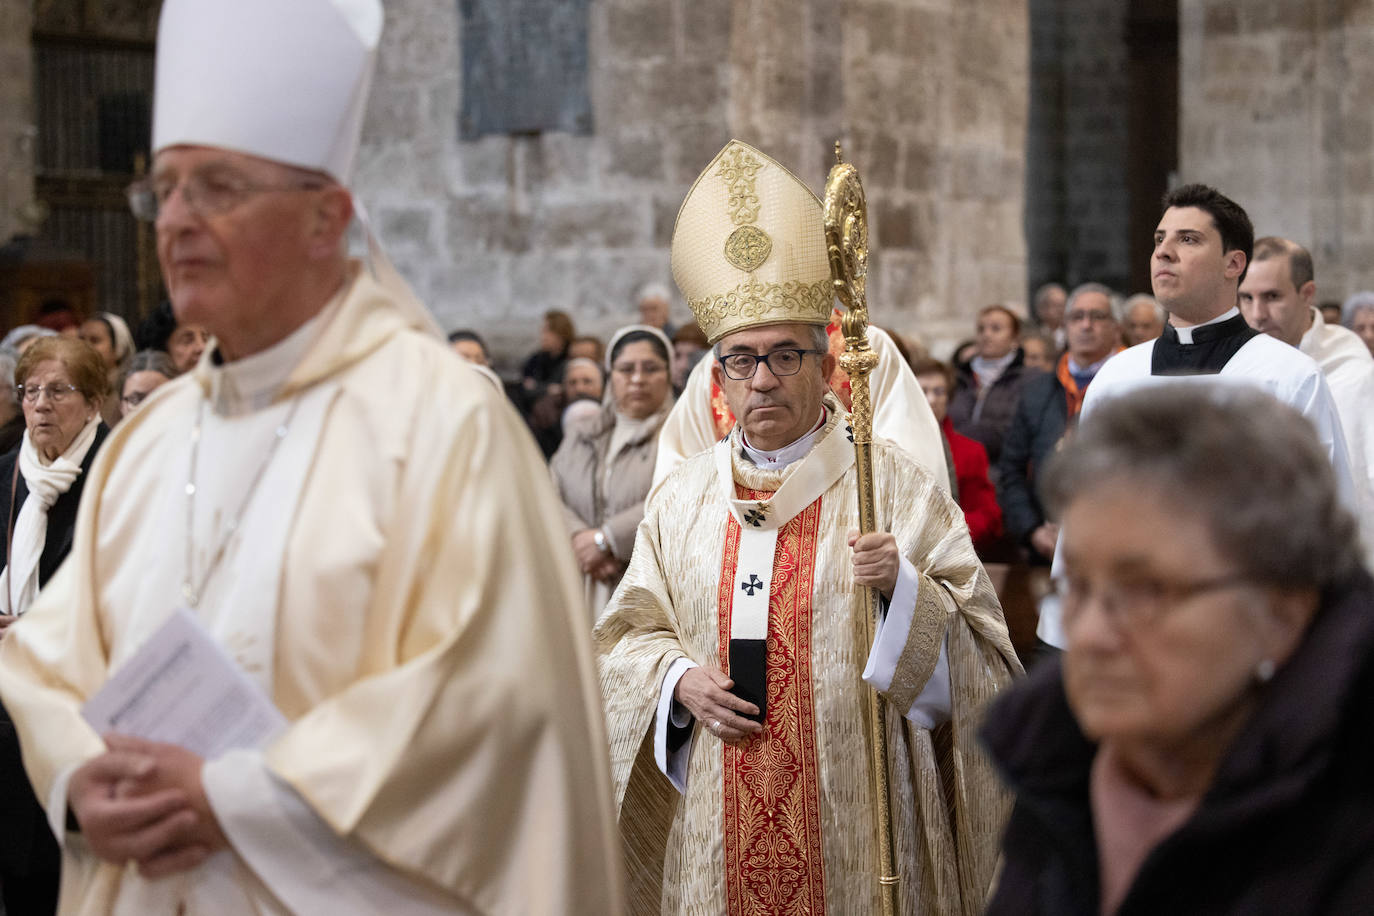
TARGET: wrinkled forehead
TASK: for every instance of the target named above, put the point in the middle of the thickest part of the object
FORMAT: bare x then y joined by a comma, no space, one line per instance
179,161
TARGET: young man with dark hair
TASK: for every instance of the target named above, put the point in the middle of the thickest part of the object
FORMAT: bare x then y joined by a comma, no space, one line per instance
1202,248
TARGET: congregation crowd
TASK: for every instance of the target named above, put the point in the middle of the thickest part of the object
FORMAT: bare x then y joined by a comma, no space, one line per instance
613,634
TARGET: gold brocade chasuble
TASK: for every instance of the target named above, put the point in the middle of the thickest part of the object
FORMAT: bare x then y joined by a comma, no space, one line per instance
784,823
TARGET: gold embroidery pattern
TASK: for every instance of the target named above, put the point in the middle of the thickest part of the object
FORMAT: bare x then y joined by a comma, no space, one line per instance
754,299
739,170
773,856
748,247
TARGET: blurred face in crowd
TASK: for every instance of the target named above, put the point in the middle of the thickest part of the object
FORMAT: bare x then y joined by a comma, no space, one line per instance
1164,633
996,334
186,345
639,379
137,387
1192,277
775,410
1143,323
1036,354
585,349
684,358
937,393
1091,330
653,312
470,350
1050,308
1362,323
96,333
1271,303
1331,313
582,380
549,341
57,413
240,239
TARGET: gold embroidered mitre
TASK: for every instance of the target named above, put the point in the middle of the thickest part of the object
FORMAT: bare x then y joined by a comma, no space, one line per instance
749,246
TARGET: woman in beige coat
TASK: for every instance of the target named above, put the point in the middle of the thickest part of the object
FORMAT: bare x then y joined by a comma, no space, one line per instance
605,464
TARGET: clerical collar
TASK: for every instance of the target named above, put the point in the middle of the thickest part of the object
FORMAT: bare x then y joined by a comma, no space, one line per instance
782,457
1207,350
251,383
1186,336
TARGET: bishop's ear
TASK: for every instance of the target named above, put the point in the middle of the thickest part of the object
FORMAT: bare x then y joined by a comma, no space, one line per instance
330,218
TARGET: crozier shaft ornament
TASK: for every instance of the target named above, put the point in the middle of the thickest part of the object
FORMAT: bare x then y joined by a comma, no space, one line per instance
846,240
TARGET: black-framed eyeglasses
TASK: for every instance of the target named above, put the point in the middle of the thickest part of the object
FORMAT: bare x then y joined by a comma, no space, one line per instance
56,393
204,195
742,366
1136,602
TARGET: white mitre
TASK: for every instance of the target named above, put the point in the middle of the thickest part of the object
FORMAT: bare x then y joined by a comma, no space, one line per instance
285,81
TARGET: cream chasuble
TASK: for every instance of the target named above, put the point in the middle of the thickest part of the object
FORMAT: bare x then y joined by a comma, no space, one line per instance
783,823
382,587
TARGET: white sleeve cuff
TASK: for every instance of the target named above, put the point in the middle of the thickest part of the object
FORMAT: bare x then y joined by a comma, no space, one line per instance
299,857
933,704
57,802
893,629
673,766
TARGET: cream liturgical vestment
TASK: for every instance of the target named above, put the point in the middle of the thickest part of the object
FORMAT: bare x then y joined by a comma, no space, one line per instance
784,823
393,585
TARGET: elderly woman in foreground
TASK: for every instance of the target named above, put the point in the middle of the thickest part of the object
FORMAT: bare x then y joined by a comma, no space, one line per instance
1205,743
61,385
604,465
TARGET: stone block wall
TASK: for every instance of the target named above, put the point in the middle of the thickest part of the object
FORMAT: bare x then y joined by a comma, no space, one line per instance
16,118
1275,113
928,97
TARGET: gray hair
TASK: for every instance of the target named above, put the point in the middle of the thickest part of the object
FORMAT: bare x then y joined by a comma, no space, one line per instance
1357,302
17,337
147,361
820,340
1113,300
654,291
1251,466
1041,294
8,361
1144,299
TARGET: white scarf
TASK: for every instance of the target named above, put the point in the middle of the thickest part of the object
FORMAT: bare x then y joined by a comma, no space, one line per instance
988,371
46,482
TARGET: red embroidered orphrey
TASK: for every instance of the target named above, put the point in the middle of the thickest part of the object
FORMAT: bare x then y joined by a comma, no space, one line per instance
772,814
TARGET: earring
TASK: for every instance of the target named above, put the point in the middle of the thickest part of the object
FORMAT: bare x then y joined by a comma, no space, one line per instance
1264,671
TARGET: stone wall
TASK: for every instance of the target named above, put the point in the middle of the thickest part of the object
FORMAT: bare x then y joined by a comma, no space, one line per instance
1275,113
16,118
927,95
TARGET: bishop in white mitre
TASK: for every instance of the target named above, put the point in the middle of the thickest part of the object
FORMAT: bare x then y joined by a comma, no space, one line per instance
731,654
356,518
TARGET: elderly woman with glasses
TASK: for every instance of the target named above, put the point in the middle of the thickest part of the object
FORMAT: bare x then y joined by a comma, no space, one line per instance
1204,744
604,465
61,384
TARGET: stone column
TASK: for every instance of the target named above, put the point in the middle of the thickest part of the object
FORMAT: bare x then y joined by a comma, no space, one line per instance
1275,114
16,117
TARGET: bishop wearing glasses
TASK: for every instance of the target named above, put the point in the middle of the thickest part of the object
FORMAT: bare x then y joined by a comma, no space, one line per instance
731,661
356,518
